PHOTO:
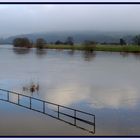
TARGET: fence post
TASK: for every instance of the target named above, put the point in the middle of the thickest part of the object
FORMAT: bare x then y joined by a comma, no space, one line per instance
94,124
44,107
18,98
30,103
7,95
58,111
74,117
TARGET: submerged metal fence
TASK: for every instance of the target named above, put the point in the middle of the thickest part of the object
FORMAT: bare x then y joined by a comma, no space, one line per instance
78,118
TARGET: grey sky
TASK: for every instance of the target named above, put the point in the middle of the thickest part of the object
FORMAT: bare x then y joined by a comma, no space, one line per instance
21,19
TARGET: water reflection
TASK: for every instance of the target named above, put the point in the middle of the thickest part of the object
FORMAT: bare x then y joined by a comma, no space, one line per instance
124,54
21,50
108,86
112,98
71,52
71,94
88,56
127,98
137,55
41,52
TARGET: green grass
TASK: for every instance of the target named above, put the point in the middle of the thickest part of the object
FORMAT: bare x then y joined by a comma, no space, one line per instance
118,48
109,48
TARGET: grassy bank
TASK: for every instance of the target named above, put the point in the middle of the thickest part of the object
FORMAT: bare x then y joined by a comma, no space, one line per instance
118,48
110,48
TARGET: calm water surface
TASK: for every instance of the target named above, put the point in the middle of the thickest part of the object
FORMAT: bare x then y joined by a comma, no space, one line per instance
105,84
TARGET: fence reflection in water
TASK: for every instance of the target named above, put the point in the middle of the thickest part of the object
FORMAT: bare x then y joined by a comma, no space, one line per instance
80,119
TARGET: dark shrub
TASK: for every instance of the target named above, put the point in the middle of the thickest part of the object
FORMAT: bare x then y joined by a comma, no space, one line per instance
22,42
89,46
40,43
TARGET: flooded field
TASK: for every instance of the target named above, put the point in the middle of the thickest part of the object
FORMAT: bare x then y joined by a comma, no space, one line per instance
103,83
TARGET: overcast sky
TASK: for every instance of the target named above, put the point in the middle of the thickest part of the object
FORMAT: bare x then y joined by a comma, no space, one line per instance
22,19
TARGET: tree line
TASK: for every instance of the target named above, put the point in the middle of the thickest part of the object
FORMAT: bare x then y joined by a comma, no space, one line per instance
25,42
40,42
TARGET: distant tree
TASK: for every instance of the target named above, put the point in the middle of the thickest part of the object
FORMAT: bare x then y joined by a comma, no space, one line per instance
22,42
89,45
104,43
122,41
40,43
58,42
136,40
69,40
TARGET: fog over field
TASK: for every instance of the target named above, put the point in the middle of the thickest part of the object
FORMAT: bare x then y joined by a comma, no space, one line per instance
24,19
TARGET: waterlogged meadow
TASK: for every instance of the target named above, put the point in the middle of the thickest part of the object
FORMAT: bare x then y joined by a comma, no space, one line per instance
103,83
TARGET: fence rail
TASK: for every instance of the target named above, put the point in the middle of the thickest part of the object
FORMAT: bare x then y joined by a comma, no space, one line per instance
78,118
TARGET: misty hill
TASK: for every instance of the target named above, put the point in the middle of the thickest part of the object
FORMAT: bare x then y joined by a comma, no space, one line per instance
79,37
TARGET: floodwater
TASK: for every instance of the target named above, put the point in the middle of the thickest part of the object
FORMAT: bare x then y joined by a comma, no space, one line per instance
103,83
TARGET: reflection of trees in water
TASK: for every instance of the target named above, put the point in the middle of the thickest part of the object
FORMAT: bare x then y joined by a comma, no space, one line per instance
71,52
41,52
88,55
21,50
124,54
136,55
